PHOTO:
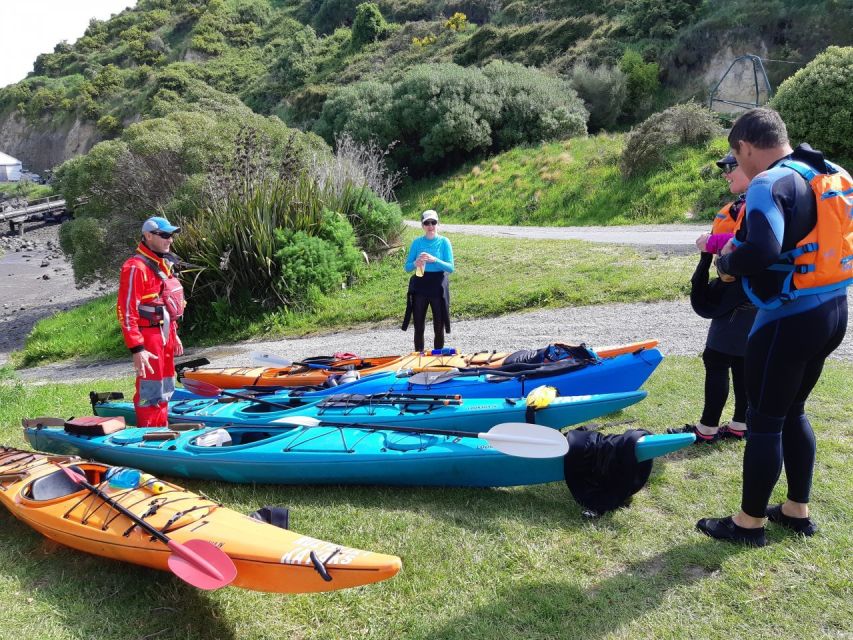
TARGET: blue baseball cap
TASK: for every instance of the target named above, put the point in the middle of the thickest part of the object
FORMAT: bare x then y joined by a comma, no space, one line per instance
159,224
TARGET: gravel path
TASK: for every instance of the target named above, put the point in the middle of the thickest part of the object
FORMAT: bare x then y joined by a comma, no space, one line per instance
680,331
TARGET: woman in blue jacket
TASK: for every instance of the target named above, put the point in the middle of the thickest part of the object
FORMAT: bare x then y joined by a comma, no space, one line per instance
431,258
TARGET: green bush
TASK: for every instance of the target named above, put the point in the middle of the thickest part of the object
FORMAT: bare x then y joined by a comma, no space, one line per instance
377,224
360,109
683,124
642,83
109,126
368,25
534,107
603,90
660,19
334,13
816,103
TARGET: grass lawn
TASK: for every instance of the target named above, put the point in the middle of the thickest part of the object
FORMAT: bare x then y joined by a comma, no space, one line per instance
507,563
493,277
575,182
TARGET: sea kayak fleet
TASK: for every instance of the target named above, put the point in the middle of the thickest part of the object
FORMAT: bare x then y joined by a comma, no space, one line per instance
480,420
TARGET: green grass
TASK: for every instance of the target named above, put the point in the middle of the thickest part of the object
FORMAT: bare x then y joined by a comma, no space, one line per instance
494,277
575,182
507,563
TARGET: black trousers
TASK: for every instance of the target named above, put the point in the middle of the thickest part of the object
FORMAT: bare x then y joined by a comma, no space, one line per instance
784,360
717,367
419,309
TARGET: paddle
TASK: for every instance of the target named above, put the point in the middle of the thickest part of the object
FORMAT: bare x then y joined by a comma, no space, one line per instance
198,562
512,438
208,390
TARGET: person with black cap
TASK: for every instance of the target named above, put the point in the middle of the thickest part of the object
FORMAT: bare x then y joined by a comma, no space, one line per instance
150,302
431,258
724,303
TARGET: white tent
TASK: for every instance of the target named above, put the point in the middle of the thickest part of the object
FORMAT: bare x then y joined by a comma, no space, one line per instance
10,168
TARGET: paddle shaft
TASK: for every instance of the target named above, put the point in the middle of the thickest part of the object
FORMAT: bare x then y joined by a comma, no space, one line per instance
181,550
81,480
380,427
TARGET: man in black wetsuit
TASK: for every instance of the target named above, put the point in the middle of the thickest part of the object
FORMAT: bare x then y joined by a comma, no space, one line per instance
787,345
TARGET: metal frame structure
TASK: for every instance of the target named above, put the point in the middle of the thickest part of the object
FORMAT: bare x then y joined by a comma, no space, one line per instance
757,65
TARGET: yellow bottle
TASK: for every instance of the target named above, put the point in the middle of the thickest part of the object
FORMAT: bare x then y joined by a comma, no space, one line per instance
419,271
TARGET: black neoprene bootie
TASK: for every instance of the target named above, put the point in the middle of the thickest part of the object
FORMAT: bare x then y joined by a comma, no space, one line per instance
803,526
726,529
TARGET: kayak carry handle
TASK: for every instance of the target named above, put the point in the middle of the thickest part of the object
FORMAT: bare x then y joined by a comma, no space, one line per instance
320,566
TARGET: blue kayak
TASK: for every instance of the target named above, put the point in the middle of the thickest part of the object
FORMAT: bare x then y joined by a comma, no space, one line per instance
463,414
625,372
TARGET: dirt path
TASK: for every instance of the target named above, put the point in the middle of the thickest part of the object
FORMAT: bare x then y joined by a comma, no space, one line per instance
680,331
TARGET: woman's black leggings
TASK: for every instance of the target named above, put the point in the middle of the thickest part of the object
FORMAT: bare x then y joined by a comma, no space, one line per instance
419,309
784,359
717,367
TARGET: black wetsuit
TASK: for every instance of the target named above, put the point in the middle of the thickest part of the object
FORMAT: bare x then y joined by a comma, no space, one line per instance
787,346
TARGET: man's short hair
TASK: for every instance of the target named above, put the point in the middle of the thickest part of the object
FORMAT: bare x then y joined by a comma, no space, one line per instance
762,127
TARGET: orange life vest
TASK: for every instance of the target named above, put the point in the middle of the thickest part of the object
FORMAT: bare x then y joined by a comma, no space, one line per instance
724,222
823,260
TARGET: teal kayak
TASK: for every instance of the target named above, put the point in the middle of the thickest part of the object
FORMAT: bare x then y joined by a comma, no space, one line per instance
426,411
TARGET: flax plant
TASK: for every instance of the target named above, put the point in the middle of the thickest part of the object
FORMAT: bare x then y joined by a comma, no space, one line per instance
231,243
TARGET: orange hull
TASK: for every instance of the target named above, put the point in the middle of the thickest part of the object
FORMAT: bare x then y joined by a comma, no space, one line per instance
267,558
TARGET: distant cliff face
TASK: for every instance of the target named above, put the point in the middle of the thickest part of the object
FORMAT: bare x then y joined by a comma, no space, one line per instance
40,148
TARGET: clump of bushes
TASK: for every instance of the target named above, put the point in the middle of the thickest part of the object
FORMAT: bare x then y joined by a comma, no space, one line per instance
442,114
647,144
368,25
816,103
603,90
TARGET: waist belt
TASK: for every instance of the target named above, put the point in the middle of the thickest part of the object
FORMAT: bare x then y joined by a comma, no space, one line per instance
153,314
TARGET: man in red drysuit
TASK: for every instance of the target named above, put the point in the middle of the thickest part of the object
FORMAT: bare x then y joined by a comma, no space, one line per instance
150,302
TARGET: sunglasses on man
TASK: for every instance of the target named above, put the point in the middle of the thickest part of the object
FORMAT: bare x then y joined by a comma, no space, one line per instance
429,223
728,168
162,234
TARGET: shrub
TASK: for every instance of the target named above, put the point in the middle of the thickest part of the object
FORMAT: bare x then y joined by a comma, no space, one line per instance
603,91
646,145
357,164
642,82
369,25
660,19
816,103
377,223
361,110
457,22
443,113
109,126
534,106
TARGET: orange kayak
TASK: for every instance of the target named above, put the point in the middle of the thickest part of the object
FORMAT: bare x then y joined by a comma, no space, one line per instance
37,492
299,375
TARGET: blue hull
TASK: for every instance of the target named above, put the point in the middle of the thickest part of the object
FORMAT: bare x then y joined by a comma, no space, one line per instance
626,372
321,455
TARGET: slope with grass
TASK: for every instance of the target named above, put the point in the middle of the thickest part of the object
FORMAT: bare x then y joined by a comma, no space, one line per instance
575,182
532,274
482,564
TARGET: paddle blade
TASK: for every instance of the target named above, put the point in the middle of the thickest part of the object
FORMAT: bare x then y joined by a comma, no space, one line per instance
526,440
298,421
654,446
201,388
267,359
201,564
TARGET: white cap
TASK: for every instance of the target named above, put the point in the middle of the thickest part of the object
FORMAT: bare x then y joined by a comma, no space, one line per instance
429,214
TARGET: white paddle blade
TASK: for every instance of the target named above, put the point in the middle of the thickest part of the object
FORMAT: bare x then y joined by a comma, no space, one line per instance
526,440
298,421
267,359
433,377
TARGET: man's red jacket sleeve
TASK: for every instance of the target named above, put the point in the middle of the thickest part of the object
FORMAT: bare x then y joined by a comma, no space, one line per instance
131,290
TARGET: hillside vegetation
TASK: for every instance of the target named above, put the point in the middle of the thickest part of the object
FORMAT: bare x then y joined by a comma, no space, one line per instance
285,57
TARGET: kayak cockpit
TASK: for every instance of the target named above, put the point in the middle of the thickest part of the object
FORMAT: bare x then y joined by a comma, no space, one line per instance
59,485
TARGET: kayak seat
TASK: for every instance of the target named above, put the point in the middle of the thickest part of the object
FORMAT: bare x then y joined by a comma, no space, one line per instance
53,486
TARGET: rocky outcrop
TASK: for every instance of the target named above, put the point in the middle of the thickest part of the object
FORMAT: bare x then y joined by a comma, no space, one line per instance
41,147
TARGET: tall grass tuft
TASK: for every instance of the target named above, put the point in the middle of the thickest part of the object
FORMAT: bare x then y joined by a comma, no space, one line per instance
231,243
